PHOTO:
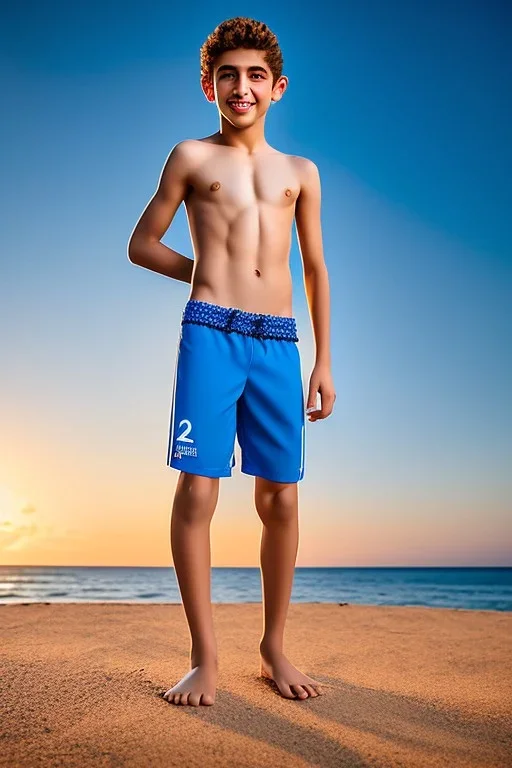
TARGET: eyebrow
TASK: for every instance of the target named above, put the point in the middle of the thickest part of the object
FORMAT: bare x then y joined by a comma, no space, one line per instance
249,69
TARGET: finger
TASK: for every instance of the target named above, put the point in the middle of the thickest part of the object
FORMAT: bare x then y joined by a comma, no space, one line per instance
327,403
322,412
312,393
311,401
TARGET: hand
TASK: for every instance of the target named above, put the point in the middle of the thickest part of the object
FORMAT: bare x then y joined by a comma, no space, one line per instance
320,381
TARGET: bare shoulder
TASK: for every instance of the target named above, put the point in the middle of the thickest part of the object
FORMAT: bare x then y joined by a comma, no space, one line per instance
307,173
181,161
185,151
303,163
306,169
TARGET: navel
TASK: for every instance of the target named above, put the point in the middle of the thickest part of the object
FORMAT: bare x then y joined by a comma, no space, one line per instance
257,273
288,192
215,186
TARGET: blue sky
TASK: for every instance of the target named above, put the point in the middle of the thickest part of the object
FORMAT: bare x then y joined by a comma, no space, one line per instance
403,108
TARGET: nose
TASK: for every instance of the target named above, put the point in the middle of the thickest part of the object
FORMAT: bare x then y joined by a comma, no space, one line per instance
242,88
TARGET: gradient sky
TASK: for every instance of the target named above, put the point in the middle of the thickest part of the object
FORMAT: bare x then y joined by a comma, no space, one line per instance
403,107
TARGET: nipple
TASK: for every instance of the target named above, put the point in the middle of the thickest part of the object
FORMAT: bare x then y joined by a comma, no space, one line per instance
257,272
288,192
215,186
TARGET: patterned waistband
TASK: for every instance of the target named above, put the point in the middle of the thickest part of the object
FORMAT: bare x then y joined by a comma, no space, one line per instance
231,319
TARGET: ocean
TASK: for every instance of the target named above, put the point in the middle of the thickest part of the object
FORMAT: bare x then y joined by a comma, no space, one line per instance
488,589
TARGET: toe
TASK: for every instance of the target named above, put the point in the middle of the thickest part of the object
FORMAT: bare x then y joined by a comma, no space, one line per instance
176,698
194,699
311,691
301,693
287,691
207,699
184,698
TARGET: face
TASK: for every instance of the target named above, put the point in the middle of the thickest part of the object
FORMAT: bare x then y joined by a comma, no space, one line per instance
242,86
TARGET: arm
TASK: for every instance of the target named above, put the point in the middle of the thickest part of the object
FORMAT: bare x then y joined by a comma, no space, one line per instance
316,281
144,246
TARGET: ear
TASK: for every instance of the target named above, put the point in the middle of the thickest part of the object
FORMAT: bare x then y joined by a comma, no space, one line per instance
279,88
207,86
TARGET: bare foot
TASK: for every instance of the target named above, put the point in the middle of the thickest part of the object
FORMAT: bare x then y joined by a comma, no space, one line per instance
197,687
292,684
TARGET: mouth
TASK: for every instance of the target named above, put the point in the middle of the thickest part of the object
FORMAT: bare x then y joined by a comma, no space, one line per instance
241,107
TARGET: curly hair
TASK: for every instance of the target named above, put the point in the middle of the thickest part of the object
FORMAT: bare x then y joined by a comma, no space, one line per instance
241,32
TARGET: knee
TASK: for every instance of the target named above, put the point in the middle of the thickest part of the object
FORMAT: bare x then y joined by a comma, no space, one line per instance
196,497
276,502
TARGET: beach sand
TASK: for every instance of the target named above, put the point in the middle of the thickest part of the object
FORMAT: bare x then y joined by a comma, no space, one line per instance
82,685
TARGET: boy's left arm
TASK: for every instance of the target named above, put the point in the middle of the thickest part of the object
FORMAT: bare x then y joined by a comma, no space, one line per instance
316,281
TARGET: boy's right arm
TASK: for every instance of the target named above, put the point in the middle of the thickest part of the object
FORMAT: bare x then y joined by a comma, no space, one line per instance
144,246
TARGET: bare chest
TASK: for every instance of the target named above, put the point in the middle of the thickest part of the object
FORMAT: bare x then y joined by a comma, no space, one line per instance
245,183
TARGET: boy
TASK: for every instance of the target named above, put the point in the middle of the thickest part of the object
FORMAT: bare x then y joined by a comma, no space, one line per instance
238,368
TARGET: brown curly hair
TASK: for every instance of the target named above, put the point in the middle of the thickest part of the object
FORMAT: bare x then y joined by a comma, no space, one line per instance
241,32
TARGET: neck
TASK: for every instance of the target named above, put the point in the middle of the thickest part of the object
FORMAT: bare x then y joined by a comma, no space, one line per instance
251,139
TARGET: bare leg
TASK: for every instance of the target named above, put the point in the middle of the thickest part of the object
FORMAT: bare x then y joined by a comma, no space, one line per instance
193,507
277,506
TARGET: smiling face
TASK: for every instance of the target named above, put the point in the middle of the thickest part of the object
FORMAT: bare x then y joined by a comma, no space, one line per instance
241,85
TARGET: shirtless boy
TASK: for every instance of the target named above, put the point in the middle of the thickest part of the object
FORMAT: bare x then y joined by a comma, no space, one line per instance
238,367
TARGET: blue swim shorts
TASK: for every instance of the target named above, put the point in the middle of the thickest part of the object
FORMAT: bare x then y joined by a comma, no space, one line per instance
237,374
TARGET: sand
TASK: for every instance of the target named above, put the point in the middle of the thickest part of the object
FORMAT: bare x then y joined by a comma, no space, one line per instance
82,685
